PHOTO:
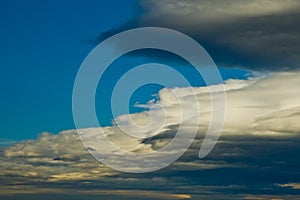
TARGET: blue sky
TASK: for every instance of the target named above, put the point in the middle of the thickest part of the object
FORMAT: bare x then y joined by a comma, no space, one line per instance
42,46
254,43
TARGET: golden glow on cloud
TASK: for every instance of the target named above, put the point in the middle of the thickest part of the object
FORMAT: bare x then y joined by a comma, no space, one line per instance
27,189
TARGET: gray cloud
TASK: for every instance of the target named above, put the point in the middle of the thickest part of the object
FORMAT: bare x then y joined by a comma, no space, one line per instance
259,35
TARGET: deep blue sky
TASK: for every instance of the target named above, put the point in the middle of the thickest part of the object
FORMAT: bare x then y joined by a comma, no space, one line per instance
42,46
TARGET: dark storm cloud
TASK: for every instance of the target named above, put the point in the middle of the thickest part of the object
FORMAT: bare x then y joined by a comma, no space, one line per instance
259,34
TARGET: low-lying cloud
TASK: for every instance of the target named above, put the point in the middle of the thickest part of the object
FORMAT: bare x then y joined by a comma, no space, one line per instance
259,145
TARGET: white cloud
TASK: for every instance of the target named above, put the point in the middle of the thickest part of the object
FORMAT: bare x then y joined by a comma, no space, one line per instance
259,105
190,12
292,185
268,106
51,158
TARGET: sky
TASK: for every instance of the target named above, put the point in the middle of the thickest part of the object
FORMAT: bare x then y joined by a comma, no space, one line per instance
43,46
255,45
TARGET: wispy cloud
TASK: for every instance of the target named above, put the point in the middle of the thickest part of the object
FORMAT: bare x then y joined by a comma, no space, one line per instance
292,185
6,142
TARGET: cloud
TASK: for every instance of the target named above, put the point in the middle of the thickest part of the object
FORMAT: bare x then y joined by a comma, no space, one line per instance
5,142
258,148
51,158
218,10
293,185
34,191
271,197
259,34
253,106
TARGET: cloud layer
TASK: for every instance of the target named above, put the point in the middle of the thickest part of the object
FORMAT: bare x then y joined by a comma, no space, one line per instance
258,148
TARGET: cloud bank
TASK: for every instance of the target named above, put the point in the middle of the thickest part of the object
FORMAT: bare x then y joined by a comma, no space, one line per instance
258,148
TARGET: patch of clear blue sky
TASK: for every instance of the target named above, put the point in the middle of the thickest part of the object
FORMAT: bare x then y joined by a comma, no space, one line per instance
42,44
